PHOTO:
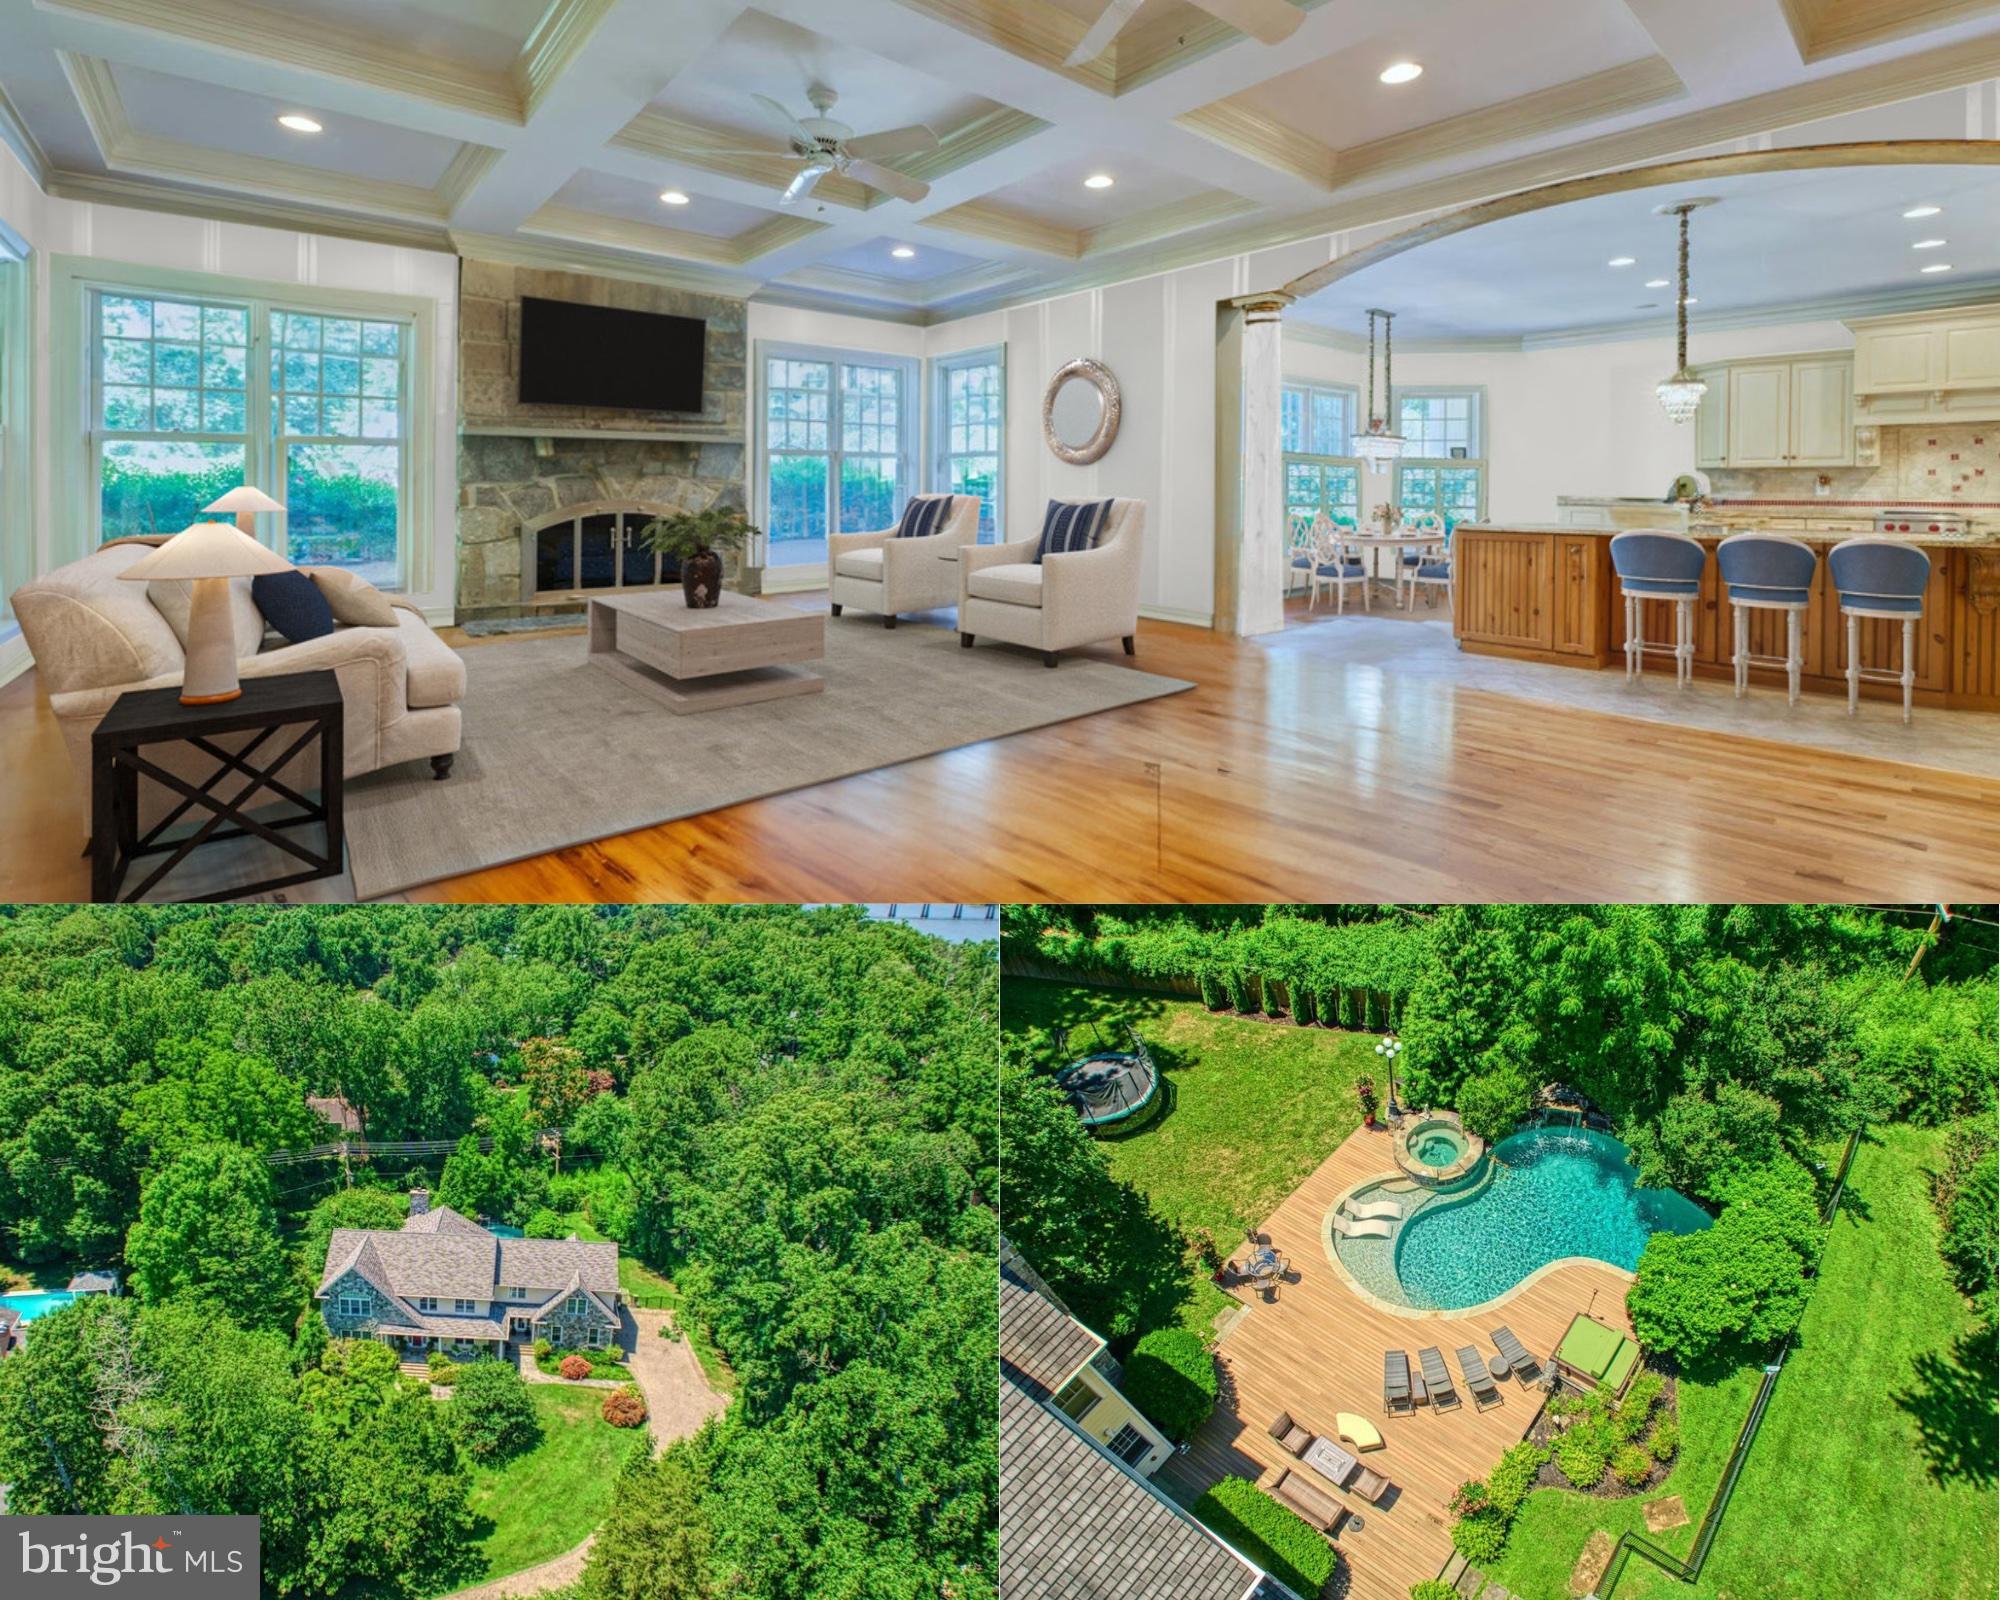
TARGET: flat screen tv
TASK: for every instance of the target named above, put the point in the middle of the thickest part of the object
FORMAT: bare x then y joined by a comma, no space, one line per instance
574,355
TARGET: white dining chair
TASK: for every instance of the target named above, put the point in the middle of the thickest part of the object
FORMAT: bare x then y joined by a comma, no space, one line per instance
1339,568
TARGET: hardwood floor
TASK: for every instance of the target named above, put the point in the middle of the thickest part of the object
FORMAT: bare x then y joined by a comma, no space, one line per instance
1285,775
1317,1351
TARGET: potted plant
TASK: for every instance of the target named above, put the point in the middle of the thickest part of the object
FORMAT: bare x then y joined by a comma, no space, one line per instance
696,539
1364,1091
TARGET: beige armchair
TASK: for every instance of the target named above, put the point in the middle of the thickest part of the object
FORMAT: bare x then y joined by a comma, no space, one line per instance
1063,601
880,572
93,636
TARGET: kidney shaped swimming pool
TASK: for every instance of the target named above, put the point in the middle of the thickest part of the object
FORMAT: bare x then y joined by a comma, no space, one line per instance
1553,1193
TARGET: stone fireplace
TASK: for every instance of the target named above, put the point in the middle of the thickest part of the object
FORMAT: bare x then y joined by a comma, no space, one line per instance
551,498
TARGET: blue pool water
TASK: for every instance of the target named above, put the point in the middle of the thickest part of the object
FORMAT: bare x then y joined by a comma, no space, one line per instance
36,1305
505,1230
1554,1193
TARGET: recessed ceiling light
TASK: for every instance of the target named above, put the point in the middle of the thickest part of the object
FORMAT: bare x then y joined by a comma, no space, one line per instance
1659,283
298,122
1402,72
1922,211
1622,261
1099,180
1929,244
1938,266
902,252
673,197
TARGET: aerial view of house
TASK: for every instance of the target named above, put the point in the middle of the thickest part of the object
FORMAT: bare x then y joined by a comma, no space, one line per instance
1542,1252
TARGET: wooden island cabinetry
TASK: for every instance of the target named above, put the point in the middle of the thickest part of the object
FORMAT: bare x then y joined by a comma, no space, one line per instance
1542,592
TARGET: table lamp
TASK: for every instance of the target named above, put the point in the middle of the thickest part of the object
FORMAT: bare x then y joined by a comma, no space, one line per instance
210,553
243,503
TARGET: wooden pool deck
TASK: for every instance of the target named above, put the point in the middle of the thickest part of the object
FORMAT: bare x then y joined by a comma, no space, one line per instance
1318,1350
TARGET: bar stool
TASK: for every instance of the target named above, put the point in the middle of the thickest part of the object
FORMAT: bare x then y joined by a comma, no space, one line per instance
1658,566
1879,578
1766,573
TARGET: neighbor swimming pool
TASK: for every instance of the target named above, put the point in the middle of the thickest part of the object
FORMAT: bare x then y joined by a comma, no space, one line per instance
1538,1196
35,1305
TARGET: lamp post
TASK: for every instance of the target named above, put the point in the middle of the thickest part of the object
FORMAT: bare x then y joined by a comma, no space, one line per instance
1388,1047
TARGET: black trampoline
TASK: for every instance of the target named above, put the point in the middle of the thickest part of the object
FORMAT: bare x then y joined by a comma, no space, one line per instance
1112,1086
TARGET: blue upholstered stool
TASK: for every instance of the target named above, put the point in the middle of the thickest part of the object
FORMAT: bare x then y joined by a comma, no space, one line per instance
1766,573
1880,578
1658,566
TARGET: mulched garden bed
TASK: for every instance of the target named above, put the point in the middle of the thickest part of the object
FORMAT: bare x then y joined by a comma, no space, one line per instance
1546,1429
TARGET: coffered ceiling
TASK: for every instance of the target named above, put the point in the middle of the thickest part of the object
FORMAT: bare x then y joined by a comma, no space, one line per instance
549,130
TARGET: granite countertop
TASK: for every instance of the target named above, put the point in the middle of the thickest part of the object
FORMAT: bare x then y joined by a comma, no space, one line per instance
1975,538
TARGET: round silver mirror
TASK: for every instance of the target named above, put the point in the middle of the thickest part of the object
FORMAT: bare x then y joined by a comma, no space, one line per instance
1080,411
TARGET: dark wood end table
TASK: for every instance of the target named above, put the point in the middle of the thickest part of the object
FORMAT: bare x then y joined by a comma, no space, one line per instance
287,712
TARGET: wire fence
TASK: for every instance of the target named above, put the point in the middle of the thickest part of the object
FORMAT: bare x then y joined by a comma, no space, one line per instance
1689,1570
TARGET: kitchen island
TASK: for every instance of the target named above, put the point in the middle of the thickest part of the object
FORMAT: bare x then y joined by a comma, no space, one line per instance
1546,592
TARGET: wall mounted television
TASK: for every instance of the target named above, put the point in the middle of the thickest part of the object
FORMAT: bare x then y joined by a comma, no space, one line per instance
576,355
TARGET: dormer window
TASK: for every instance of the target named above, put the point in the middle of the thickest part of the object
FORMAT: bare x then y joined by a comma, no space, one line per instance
464,1307
515,1291
427,1302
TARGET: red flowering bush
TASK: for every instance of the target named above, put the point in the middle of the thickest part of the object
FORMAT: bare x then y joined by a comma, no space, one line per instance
574,1367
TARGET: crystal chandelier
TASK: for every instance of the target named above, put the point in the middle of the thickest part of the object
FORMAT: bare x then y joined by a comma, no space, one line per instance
1377,444
1681,394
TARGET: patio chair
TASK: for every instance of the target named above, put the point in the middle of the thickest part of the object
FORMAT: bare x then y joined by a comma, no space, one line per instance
1513,1352
1376,1211
1292,1439
1396,1383
1472,1365
1437,1380
1347,1228
1314,1504
1371,1486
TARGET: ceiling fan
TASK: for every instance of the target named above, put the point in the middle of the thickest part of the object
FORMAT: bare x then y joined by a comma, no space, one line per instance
1267,21
823,145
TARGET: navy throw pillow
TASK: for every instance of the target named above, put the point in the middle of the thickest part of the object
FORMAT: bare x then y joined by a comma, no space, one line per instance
922,516
291,603
1068,526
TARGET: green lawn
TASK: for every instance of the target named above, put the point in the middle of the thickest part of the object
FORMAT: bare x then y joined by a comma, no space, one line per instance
1874,1471
548,1499
1251,1107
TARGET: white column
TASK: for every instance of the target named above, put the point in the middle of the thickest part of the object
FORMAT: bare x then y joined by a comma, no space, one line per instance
1249,478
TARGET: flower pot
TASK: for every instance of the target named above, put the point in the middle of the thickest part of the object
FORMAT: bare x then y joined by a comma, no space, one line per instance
701,579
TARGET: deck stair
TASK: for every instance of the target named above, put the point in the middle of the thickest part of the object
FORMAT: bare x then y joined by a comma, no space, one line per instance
1452,1569
1469,1582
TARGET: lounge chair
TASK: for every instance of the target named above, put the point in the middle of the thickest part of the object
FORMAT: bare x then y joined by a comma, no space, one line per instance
1485,1392
1376,1211
1315,1505
1357,1431
1348,1229
1513,1352
1437,1380
1292,1439
1396,1383
1371,1486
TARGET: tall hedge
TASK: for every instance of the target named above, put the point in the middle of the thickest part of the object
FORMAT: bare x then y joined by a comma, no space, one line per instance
1275,1537
1170,1377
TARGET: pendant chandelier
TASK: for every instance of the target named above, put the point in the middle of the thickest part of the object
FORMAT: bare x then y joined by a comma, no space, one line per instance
1379,445
1681,394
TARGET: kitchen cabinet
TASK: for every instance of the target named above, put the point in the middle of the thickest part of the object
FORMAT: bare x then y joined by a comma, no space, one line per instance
1796,412
1711,420
1930,366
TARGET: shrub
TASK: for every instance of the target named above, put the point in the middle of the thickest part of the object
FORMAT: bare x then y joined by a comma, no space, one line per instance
1514,1475
546,1224
574,1368
626,1407
543,1349
1480,1537
441,1367
1170,1377
1630,1465
1666,1439
1433,1589
492,1412
1637,1407
1582,1455
1277,1539
1212,994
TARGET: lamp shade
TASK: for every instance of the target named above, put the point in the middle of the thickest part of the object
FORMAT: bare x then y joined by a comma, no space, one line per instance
244,498
207,550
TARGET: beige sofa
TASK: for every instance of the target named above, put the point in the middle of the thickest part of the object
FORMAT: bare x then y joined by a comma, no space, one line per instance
1067,600
94,635
882,573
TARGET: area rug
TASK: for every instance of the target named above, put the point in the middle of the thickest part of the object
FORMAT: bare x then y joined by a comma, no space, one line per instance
557,752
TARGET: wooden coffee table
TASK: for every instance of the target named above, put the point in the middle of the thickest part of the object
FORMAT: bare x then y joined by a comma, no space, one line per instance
731,654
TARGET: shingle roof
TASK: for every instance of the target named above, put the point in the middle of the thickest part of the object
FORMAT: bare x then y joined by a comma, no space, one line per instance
552,1263
440,1253
1076,1525
442,1220
1038,1338
94,1283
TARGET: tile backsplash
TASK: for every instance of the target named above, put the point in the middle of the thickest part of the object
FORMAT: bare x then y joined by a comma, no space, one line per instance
1959,462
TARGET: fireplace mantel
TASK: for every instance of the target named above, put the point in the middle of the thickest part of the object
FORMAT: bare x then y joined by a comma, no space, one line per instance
663,435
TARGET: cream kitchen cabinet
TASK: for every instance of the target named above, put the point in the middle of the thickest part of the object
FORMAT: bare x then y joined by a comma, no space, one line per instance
1711,421
1793,412
1932,366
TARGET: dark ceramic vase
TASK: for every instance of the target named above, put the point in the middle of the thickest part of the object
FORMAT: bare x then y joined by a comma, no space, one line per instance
701,579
